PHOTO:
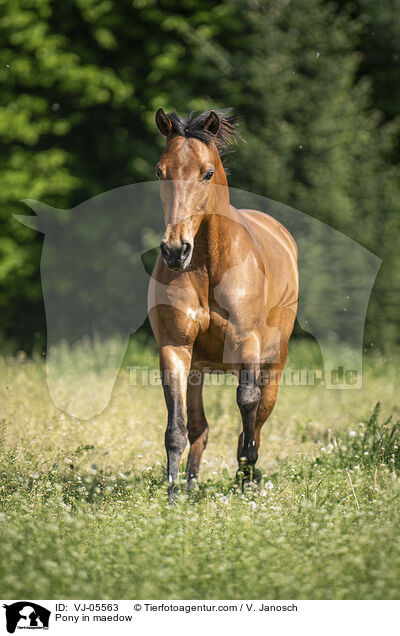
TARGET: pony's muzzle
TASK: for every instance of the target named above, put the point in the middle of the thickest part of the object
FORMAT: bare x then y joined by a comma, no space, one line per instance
177,257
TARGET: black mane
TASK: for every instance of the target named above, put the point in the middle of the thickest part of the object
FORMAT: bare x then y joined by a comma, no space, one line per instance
193,126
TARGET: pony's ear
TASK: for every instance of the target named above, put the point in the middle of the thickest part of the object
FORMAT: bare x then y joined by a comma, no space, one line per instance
164,124
212,123
44,214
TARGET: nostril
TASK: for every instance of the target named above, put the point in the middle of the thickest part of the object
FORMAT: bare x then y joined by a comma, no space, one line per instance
164,249
186,249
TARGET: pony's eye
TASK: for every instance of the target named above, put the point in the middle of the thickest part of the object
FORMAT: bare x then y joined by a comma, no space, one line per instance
158,172
208,175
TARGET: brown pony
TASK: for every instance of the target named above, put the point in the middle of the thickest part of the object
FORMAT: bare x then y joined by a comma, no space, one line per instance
223,293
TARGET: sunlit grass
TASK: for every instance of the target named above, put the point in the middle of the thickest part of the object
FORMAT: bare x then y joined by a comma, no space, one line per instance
84,512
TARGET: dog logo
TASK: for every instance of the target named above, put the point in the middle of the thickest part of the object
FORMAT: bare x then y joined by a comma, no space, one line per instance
26,615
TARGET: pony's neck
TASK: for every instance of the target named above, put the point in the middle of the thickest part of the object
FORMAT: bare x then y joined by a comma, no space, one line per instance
217,228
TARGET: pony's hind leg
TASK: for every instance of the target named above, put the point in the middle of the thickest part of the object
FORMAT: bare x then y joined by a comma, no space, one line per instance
197,427
269,394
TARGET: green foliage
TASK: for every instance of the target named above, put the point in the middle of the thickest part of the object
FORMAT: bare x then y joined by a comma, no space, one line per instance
81,82
117,537
372,445
84,510
380,43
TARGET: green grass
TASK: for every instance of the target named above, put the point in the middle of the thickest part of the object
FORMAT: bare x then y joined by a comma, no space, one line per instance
84,513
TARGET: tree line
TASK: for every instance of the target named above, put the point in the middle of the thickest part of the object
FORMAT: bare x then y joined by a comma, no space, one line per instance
316,83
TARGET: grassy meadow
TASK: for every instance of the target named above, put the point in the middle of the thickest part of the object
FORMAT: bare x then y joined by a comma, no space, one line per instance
84,512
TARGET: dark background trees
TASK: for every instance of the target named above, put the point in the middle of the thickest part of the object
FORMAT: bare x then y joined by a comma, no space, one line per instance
316,83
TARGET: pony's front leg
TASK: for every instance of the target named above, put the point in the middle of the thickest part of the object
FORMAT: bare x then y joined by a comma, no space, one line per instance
175,362
248,398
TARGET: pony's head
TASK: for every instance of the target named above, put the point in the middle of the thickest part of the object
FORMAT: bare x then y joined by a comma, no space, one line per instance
190,170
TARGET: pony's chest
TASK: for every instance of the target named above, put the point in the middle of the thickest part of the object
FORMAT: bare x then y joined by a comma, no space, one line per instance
211,323
209,345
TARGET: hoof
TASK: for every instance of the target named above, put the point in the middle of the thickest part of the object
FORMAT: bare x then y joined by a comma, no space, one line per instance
257,475
173,494
192,485
248,473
